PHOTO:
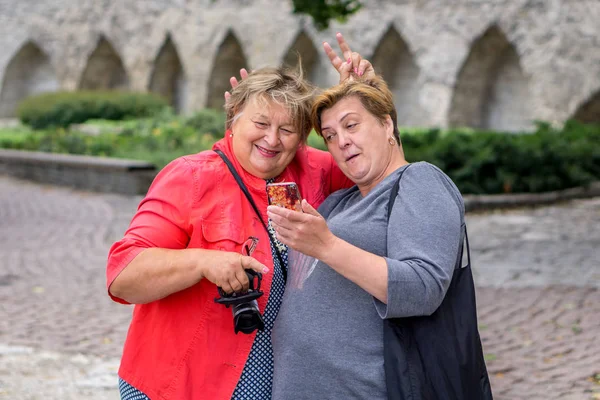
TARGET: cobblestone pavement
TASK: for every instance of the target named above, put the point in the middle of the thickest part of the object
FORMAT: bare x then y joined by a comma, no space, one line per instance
537,273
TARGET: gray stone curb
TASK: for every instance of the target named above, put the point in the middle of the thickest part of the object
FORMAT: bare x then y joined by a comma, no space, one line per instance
98,174
497,201
73,160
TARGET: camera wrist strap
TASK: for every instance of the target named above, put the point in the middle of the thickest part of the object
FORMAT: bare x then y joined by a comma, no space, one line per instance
242,186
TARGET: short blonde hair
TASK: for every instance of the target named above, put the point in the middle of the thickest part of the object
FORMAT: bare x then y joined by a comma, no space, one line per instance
280,85
374,94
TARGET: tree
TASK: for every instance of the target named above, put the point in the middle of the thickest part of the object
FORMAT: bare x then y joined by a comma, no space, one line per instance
323,11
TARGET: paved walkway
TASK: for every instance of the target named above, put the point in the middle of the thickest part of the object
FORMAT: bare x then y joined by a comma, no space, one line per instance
537,273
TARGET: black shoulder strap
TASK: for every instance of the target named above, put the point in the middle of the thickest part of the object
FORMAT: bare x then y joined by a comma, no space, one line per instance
392,200
394,192
242,186
468,250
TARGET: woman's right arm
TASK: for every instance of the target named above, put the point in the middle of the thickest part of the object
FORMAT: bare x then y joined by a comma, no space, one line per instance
152,260
156,273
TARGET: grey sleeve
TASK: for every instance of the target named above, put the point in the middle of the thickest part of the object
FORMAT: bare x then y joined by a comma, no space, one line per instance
424,235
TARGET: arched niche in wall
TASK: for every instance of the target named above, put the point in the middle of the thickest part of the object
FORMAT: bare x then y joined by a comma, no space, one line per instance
104,69
491,91
589,112
168,77
304,47
29,72
228,61
393,60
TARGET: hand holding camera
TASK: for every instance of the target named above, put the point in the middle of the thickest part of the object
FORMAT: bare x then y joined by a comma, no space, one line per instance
246,315
228,271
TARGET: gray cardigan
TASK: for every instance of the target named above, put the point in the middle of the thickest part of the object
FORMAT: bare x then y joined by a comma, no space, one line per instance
327,339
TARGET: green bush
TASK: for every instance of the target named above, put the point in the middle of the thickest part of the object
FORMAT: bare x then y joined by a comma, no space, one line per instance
478,162
316,141
207,121
490,162
483,162
60,109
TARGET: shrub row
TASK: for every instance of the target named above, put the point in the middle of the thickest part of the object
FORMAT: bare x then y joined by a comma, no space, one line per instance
61,109
159,139
490,162
478,162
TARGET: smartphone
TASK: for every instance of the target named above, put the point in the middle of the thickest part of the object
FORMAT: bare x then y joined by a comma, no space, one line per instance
285,194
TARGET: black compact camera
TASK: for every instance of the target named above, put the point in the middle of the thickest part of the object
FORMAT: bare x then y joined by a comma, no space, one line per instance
246,316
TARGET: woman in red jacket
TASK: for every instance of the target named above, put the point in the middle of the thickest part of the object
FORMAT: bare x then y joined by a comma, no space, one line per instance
187,239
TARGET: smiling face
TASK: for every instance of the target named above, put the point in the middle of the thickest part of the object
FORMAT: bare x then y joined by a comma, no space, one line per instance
359,142
265,139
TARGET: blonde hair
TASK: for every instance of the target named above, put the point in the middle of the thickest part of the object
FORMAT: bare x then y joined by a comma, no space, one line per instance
374,94
280,85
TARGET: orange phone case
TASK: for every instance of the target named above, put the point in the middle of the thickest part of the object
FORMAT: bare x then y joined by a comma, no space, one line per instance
285,194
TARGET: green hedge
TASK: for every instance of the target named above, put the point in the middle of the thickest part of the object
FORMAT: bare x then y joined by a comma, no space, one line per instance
489,162
60,109
478,162
159,139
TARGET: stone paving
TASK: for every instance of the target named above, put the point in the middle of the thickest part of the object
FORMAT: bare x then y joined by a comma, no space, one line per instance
537,273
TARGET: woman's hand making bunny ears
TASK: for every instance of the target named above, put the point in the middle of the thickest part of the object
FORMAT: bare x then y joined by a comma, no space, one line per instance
234,82
353,65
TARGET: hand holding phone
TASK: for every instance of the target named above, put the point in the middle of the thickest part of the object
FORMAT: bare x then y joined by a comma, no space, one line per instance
285,194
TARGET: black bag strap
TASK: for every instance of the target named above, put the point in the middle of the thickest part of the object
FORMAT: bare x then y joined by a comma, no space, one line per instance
394,192
242,186
468,250
392,200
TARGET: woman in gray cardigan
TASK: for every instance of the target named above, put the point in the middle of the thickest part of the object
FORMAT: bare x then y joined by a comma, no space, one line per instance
327,340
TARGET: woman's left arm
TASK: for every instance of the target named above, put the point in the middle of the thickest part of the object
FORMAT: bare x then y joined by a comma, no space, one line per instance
423,241
307,232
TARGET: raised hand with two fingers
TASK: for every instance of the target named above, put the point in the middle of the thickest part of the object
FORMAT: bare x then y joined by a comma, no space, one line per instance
353,65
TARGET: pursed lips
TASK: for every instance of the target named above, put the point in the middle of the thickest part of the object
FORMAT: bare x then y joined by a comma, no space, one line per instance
350,157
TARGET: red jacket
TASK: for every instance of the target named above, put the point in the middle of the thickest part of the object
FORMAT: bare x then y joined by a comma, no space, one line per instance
184,346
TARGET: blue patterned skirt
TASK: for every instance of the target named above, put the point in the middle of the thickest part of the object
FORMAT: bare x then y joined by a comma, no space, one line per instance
128,392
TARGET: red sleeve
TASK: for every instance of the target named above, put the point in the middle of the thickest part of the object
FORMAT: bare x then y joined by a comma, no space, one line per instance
162,219
337,178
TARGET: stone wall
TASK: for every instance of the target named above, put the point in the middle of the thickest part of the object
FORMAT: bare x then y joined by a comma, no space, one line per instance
496,64
28,73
